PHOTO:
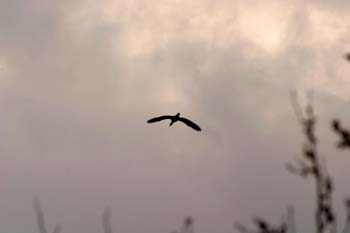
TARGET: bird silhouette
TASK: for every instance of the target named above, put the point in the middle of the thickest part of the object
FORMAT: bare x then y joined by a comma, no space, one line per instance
174,119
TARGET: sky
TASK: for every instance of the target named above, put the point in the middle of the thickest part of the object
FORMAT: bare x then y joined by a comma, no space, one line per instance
79,79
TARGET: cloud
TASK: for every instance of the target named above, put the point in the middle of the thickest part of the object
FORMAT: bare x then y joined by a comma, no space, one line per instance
82,77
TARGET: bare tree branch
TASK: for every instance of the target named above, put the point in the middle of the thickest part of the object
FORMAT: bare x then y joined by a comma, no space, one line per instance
296,106
41,218
241,228
106,217
314,166
188,225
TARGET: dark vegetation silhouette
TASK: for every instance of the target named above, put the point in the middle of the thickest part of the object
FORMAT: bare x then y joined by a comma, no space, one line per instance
343,133
106,221
42,228
311,165
40,217
174,119
347,56
187,226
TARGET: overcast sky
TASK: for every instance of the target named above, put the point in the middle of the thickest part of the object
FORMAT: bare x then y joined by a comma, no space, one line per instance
79,79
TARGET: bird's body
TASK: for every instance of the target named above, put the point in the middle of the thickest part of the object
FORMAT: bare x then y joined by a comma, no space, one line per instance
174,119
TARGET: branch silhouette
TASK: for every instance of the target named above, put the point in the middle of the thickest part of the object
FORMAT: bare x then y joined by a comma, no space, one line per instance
343,134
41,218
187,226
310,165
106,221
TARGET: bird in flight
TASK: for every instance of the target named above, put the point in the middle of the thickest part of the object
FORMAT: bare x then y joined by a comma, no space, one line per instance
174,119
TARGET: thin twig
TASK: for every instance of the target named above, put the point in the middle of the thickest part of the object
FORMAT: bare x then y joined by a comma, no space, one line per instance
41,218
106,221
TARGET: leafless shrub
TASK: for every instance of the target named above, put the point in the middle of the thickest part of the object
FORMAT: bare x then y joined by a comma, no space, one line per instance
310,166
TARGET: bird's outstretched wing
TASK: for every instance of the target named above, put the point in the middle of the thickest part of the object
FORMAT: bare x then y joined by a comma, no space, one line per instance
156,119
190,123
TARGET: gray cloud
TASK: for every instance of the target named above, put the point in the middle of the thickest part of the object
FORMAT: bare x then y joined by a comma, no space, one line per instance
80,79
